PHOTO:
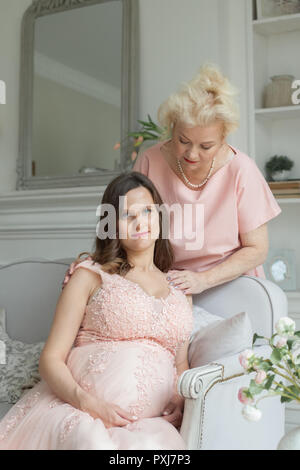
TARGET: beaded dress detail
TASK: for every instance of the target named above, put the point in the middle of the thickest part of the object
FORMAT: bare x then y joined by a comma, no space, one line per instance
124,353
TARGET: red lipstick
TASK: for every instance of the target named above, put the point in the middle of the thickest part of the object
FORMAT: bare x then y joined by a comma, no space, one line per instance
189,161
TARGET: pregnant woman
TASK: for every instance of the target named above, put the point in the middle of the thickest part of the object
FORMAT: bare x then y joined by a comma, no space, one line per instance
117,345
196,167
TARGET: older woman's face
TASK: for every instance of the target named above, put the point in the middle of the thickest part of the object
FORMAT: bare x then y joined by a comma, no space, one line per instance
194,146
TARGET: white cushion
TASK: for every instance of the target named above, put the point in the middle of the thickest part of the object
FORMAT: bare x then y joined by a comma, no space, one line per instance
220,339
202,318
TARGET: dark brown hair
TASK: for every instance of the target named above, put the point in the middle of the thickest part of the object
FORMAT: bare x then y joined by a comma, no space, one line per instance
108,252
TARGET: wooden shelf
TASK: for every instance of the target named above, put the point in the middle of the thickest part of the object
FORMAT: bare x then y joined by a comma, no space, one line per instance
277,25
283,112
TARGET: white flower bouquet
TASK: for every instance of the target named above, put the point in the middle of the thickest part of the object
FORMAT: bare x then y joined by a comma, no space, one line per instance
284,363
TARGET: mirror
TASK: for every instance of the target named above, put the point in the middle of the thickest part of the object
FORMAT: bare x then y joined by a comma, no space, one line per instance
78,91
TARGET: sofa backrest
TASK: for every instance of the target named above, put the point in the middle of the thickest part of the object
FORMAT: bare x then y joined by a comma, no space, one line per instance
29,291
264,302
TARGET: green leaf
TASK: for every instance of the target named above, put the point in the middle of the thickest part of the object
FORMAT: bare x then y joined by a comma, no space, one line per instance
255,337
295,390
254,388
134,134
149,118
288,391
266,366
285,399
276,356
269,382
146,124
290,363
150,134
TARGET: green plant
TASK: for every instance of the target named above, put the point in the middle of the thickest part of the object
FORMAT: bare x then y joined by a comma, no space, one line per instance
149,131
278,163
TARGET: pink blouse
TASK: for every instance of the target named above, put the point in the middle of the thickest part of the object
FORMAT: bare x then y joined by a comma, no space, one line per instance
235,200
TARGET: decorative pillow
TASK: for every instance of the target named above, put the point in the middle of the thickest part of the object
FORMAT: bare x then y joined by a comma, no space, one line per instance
220,339
202,318
20,369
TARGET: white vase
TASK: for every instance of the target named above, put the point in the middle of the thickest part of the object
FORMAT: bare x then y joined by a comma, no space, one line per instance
279,91
291,440
280,175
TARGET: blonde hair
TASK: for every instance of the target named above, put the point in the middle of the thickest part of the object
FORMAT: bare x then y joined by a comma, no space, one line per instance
207,98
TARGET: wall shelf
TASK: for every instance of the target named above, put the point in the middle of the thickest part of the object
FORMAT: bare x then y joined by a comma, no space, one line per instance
283,112
277,25
273,49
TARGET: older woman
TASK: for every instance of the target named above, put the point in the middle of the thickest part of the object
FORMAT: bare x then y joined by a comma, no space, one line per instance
197,167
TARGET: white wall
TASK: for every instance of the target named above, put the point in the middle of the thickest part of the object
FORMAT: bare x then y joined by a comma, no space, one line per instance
176,37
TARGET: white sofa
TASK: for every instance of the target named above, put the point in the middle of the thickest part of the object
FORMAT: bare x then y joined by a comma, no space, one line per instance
212,418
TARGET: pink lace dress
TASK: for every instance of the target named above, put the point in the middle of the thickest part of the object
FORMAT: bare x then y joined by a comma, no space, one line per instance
124,353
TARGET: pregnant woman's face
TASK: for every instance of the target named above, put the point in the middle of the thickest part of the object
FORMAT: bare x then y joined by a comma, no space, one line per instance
138,220
196,146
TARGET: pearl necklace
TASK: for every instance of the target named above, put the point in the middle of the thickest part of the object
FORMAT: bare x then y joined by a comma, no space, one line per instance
203,182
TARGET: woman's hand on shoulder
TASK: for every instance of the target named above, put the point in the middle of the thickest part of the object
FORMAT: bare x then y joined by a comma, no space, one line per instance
189,282
71,270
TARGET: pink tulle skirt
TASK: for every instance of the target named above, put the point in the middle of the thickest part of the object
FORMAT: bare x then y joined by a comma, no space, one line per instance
139,376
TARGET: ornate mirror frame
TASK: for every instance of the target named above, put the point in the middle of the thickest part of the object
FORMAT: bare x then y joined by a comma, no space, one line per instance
129,90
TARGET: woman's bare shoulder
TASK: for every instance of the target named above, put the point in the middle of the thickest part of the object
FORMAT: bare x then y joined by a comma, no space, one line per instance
84,278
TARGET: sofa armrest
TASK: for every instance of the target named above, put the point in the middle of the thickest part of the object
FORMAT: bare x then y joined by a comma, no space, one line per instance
194,384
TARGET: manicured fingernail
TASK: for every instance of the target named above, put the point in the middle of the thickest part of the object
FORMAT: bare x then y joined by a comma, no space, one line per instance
168,278
165,412
134,417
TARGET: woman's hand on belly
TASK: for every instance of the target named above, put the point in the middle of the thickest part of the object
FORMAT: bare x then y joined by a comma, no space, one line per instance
109,413
173,411
188,281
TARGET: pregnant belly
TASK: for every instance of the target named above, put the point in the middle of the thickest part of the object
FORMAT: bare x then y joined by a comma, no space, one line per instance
138,376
